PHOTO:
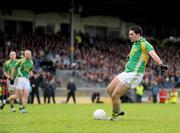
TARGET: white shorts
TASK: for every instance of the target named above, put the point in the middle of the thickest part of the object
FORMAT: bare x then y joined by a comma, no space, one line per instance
23,83
131,79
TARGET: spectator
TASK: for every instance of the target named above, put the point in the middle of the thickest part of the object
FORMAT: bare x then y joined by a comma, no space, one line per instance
154,90
95,97
46,91
173,96
35,84
163,96
92,54
168,84
139,93
71,89
52,88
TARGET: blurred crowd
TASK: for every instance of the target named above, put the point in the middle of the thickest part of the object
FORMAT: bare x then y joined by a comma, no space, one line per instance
100,58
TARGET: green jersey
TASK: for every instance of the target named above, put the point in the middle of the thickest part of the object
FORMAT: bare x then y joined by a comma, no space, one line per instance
138,56
24,67
8,66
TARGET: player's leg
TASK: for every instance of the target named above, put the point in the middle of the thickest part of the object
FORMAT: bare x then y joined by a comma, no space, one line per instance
19,92
110,88
18,95
119,91
25,93
24,96
11,99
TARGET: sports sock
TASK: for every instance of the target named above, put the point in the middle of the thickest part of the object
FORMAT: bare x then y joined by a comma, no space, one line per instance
12,106
114,115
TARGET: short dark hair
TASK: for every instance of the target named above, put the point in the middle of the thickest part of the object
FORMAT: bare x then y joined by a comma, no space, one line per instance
137,29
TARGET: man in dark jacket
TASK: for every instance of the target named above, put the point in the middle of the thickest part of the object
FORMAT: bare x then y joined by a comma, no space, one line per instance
95,97
71,88
35,84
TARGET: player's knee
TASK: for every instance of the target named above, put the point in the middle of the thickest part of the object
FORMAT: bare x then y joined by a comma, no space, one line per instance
108,90
26,95
14,97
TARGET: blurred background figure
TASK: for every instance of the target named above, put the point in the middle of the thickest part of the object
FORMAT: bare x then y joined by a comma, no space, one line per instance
46,92
128,97
49,87
71,89
95,97
52,88
163,95
168,83
3,88
154,90
139,93
35,81
173,95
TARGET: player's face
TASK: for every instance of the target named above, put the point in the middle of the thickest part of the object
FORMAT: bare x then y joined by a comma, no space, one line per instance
13,55
133,36
27,54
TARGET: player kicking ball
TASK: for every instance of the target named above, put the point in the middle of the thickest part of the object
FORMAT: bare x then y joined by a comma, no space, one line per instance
134,69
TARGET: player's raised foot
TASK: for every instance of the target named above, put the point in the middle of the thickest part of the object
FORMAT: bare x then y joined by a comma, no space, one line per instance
13,110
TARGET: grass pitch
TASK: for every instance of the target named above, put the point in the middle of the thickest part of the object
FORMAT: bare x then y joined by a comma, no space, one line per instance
77,118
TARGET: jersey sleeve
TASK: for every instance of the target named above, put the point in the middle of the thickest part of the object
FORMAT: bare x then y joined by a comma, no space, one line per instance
149,47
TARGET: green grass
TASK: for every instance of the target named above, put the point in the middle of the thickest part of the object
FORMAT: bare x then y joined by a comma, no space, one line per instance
77,118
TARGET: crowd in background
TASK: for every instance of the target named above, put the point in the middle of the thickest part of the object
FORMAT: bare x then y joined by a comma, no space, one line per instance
100,58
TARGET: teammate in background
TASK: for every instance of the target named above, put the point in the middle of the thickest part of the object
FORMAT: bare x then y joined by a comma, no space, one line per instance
7,69
24,67
134,69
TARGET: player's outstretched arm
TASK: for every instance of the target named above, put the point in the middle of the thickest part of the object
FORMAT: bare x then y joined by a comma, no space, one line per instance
156,58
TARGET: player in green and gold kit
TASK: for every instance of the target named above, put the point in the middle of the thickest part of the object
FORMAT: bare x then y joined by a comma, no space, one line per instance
23,68
7,69
134,69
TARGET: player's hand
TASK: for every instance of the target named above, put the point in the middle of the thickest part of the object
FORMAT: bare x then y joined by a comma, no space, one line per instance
12,82
163,67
